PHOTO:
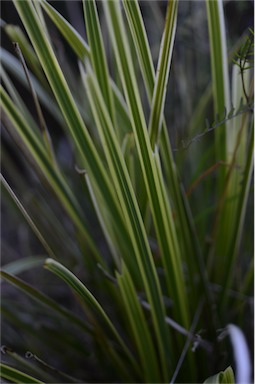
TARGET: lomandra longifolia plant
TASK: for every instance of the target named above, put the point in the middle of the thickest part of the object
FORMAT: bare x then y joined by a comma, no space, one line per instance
127,152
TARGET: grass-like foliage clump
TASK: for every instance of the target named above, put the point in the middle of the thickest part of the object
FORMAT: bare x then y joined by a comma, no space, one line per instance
127,159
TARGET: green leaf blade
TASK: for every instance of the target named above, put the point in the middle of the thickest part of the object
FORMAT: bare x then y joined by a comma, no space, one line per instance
79,288
16,376
43,299
140,329
164,62
39,153
152,175
78,44
219,65
98,56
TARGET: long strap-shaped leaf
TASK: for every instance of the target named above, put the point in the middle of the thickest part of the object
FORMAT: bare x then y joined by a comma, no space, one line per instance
13,66
16,34
228,140
141,42
16,376
44,300
40,156
94,166
235,240
103,112
240,152
189,243
24,363
150,166
86,296
221,97
24,264
139,327
97,55
128,204
163,68
71,35
27,217
219,65
82,50
14,95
